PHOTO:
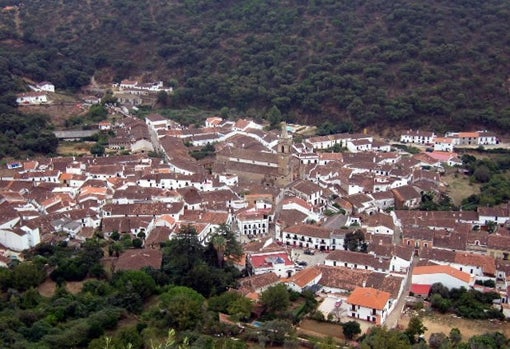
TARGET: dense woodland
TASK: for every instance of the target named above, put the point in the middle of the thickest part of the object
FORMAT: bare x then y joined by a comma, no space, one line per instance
440,64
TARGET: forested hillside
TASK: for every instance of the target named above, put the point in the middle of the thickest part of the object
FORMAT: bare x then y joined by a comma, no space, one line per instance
441,64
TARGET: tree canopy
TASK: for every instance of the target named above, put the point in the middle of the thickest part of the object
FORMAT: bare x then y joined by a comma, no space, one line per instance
355,64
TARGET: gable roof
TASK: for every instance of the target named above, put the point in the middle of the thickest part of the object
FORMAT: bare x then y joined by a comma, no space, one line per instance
442,269
369,298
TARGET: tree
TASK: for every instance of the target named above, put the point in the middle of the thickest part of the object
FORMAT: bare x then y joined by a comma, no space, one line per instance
415,329
182,307
97,149
219,243
275,298
137,280
26,275
382,338
438,341
351,329
277,331
274,116
455,337
482,174
355,241
241,309
137,243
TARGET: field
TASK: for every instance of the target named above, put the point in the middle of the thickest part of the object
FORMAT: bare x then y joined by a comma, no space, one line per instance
74,148
459,186
436,323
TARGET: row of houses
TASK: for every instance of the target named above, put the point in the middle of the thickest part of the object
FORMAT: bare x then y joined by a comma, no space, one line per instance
450,140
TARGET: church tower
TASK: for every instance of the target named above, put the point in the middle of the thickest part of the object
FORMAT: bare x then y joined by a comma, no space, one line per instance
284,155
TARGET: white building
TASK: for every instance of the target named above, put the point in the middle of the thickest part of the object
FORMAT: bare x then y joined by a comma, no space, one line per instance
445,274
253,221
369,304
444,144
32,98
45,86
417,137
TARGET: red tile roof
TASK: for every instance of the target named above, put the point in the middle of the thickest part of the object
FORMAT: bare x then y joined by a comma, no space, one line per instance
369,298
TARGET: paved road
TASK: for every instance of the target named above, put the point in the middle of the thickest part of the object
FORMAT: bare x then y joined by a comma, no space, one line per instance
392,320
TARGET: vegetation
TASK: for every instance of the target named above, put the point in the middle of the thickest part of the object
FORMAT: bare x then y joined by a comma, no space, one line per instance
438,64
469,304
492,173
355,241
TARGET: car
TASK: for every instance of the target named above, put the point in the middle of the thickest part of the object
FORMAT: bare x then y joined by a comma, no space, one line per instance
309,252
302,263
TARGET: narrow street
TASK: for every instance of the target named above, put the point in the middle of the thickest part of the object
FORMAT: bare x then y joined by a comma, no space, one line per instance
395,315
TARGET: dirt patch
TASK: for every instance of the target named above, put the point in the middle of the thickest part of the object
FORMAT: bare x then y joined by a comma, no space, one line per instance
437,323
74,148
47,288
320,329
459,187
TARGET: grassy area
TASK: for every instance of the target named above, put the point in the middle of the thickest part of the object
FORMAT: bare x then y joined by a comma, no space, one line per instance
74,148
435,323
459,186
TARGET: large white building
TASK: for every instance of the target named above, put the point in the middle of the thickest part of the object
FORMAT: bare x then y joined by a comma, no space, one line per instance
445,274
369,304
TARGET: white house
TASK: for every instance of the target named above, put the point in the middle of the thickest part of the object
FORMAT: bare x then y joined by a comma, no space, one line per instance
304,278
253,221
369,304
445,274
277,262
417,137
156,122
311,236
32,98
444,144
45,86
19,239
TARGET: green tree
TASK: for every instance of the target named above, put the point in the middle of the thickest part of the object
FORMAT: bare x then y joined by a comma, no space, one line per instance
26,275
97,150
439,341
277,331
382,338
275,298
219,243
241,309
182,307
355,241
455,337
351,329
415,329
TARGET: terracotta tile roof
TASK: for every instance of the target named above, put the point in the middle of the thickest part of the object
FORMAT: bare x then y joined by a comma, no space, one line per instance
138,259
385,282
369,298
309,230
342,278
359,258
304,277
256,282
498,242
442,269
468,134
487,263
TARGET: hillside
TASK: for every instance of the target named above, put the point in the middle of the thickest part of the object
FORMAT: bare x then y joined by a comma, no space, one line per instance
438,64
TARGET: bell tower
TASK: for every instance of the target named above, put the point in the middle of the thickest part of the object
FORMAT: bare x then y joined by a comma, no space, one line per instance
284,154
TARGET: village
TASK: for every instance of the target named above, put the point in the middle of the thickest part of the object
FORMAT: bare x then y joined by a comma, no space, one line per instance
294,205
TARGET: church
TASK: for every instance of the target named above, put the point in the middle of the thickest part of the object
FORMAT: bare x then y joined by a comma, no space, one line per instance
273,167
